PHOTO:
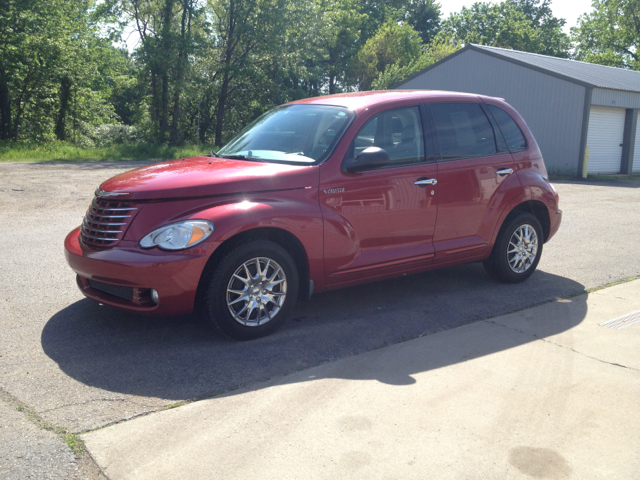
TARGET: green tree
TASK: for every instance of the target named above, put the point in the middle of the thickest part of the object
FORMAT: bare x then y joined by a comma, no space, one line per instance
395,73
341,33
424,17
610,34
125,92
376,13
246,31
526,25
169,35
283,51
392,44
49,67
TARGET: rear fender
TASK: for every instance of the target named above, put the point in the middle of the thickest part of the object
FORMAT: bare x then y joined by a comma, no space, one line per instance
536,188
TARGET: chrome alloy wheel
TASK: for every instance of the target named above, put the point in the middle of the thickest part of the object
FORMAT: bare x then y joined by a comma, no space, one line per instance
256,292
522,248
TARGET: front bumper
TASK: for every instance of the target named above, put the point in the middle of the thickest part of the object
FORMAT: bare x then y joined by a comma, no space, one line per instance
175,275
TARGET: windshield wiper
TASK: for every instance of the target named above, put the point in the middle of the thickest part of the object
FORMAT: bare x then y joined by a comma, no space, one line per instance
242,157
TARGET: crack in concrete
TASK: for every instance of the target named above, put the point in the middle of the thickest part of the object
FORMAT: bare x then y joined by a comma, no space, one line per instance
545,340
121,420
84,402
587,356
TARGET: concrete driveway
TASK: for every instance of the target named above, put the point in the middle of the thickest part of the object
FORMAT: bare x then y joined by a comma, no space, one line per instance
81,366
544,393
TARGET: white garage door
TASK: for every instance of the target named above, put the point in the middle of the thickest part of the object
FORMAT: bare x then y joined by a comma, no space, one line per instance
606,127
636,150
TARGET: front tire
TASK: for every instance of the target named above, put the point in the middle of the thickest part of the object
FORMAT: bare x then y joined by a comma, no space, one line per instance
517,250
252,290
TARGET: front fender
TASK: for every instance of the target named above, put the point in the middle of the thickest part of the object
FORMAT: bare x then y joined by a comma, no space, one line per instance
297,213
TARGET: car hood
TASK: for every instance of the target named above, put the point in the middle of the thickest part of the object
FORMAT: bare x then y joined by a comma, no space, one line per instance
207,176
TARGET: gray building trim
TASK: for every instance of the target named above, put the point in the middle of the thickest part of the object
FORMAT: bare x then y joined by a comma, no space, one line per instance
606,97
496,55
629,141
586,111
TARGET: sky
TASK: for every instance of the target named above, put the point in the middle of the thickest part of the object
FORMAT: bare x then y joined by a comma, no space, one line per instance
570,10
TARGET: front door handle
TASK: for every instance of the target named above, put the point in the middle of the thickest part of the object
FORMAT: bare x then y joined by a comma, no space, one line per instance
423,182
504,171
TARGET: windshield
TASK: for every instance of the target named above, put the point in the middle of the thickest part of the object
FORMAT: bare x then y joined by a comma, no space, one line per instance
291,133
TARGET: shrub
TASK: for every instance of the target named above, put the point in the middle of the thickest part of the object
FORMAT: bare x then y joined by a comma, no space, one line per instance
114,134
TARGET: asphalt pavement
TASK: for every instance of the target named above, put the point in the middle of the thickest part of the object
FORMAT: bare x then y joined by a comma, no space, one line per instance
82,366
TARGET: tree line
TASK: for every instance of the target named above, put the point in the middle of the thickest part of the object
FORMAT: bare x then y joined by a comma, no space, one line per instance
202,69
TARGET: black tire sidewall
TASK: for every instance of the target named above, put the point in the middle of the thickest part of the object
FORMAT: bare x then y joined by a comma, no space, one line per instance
498,264
215,307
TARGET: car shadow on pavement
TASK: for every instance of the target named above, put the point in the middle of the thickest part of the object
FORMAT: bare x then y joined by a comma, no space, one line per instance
182,358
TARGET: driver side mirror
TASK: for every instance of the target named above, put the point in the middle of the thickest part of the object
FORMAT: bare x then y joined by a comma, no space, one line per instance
370,158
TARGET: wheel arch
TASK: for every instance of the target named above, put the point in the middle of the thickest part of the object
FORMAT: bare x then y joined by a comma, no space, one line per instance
519,205
537,209
282,237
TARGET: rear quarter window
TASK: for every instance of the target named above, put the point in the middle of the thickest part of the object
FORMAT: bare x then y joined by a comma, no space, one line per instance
514,137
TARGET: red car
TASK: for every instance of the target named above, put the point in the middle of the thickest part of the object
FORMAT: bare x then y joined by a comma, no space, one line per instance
319,194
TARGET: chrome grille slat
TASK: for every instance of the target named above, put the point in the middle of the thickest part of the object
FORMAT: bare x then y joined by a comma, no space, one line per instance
105,239
106,221
98,207
109,216
86,227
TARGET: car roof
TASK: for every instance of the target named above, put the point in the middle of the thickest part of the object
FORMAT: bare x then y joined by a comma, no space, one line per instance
358,101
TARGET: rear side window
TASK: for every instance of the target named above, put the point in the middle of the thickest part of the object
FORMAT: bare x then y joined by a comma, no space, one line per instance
463,130
510,130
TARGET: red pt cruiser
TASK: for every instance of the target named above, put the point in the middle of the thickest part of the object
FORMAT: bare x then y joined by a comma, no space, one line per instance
319,194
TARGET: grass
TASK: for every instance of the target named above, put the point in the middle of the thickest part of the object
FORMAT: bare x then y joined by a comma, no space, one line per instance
596,177
71,439
633,176
64,151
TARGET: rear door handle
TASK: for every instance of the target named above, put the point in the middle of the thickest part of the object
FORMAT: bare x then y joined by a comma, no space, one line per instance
504,171
423,182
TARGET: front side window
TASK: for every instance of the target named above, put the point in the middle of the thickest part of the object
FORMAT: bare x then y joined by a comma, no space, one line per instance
398,132
510,130
463,130
291,133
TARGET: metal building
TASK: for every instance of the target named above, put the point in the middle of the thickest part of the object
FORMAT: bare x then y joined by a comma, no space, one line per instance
568,105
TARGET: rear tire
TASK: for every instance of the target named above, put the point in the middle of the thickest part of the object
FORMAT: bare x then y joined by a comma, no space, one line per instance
517,250
251,291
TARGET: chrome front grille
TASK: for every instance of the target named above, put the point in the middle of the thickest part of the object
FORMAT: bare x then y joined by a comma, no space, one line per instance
106,221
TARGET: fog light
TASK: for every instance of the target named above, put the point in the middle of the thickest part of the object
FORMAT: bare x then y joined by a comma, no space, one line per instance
154,296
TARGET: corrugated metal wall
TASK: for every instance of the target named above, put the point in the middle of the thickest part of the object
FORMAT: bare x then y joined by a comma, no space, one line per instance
552,107
636,151
615,98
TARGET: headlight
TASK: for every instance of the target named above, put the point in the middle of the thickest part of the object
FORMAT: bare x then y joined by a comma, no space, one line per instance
178,236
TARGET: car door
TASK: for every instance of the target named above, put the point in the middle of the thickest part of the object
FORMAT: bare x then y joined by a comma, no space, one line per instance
475,177
381,221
